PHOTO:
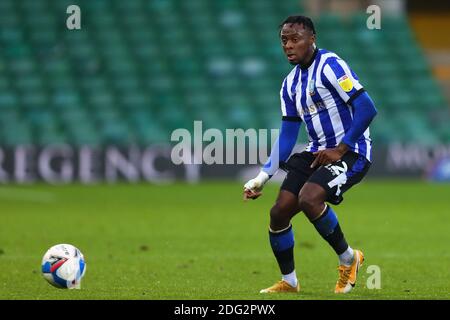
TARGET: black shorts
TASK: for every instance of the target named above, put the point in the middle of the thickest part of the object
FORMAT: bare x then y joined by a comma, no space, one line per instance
335,178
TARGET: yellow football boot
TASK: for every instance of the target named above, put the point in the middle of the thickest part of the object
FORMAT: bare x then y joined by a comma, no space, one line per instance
280,287
347,275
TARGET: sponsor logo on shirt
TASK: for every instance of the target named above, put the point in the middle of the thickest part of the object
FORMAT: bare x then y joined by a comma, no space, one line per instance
346,83
313,108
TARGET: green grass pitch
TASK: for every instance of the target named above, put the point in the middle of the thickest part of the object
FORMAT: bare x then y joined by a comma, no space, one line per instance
203,242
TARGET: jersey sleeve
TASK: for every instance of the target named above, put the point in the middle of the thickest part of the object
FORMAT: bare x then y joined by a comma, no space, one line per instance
282,147
342,79
288,107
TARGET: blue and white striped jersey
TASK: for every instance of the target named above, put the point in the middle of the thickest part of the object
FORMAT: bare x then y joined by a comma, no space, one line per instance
320,95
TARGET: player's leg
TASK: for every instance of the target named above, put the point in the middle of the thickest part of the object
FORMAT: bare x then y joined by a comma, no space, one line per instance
312,202
312,199
327,184
281,235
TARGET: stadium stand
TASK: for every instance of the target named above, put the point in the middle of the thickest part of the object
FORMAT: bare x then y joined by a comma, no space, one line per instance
139,69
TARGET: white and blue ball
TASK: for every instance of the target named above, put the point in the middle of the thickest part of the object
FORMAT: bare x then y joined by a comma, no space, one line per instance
63,266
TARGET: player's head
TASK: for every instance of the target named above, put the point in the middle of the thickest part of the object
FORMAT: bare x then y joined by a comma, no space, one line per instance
298,36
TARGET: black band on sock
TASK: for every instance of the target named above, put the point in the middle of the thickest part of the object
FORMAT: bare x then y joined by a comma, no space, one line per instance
282,244
337,240
285,260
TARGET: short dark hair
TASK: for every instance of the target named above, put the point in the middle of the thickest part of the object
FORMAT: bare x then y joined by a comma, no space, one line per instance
305,21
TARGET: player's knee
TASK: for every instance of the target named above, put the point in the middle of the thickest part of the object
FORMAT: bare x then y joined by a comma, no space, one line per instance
279,216
275,212
309,201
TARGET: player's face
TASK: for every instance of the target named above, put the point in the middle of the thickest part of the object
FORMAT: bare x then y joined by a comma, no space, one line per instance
297,43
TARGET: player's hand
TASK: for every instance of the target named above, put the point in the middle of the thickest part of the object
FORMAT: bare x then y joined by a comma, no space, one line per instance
252,189
249,194
328,156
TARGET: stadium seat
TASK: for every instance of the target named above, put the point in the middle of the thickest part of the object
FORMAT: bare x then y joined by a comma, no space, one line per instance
130,76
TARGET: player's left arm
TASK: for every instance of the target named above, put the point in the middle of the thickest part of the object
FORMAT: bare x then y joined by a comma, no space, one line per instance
338,75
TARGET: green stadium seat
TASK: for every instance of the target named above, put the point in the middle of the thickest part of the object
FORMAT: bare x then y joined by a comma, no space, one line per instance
4,83
115,133
151,135
174,118
8,100
328,21
133,100
16,133
30,83
122,79
63,99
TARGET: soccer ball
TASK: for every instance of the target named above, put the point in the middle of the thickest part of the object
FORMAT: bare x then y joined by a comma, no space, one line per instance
63,266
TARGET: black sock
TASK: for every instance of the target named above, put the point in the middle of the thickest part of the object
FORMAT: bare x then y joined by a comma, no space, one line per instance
283,248
328,227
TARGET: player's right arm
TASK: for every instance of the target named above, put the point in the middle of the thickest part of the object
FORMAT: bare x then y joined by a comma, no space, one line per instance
336,75
282,147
